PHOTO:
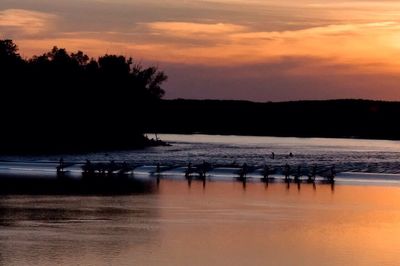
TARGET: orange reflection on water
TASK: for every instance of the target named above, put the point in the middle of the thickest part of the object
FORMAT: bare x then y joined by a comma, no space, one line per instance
224,224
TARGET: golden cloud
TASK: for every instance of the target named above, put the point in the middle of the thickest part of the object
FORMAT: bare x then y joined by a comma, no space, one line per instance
369,47
25,22
369,44
189,29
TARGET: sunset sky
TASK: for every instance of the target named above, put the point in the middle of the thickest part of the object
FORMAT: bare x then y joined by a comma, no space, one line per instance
229,49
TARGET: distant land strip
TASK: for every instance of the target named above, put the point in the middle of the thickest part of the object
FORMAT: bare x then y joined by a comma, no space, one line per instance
350,118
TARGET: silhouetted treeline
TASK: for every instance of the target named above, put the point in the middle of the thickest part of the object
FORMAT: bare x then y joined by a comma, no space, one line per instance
333,118
61,101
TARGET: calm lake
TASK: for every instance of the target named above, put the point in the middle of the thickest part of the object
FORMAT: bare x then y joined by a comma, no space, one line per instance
221,223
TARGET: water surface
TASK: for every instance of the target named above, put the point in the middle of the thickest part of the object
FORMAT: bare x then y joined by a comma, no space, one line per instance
220,224
371,156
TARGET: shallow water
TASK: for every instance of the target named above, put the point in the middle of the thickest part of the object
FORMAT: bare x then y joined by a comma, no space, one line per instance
222,223
371,156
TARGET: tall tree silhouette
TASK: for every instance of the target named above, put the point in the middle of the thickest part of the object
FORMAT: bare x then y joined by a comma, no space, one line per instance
96,104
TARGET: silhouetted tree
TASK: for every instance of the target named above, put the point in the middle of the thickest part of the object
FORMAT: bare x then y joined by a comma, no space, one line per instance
10,60
81,58
115,65
101,103
8,49
150,79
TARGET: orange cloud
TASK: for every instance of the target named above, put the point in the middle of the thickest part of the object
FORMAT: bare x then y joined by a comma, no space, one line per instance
368,46
25,22
188,29
356,41
364,44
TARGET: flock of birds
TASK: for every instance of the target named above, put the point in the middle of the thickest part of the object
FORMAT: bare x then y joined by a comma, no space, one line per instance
203,170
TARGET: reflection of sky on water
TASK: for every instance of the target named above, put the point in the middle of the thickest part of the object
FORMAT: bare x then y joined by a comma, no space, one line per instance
222,223
46,230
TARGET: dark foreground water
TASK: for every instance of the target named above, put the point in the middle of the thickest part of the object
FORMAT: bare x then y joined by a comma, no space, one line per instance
222,223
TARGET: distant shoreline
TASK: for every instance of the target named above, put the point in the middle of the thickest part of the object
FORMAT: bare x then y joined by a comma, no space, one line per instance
344,119
297,137
78,148
352,118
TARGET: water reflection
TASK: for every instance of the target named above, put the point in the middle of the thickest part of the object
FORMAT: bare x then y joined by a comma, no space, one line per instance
73,227
208,221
